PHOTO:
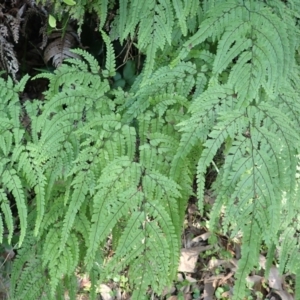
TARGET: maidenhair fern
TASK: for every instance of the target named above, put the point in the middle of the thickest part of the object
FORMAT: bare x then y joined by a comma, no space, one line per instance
91,163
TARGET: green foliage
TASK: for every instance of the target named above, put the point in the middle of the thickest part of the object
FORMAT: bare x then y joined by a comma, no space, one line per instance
92,168
99,162
151,23
252,113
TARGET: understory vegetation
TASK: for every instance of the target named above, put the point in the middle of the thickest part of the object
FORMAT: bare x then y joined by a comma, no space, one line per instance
115,114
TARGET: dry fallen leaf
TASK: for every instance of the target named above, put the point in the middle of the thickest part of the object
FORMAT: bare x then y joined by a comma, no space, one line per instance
59,48
187,296
173,298
226,264
262,261
189,257
284,295
256,282
209,291
168,290
106,292
214,263
275,279
200,238
190,279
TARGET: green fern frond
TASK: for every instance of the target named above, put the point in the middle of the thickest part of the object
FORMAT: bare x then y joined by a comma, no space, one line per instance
250,257
144,246
92,62
157,22
13,183
27,268
110,204
58,262
110,63
82,226
55,212
180,14
101,10
242,30
19,87
8,217
80,189
191,7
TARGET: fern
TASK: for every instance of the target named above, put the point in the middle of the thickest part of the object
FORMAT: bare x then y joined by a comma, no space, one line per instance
92,170
247,108
97,162
110,64
153,22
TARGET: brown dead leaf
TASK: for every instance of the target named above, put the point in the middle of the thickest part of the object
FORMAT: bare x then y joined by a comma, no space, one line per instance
190,279
209,291
262,261
185,289
284,295
225,278
168,290
275,279
189,257
105,292
228,295
84,282
173,298
226,264
59,48
118,294
200,238
209,199
187,296
256,283
214,263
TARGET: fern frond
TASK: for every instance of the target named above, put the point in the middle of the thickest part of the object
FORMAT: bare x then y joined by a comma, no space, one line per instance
110,63
163,80
243,33
250,257
8,217
54,213
123,15
143,245
59,262
13,183
28,268
157,23
111,204
80,186
92,62
180,14
101,8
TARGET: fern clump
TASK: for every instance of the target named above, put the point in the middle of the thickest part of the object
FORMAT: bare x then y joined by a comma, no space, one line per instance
249,109
12,139
93,163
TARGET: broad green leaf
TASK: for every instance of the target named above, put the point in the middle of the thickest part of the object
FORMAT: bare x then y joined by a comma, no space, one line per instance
69,2
52,21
